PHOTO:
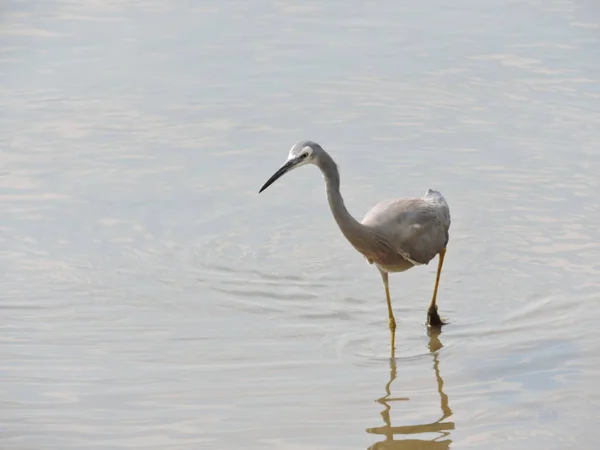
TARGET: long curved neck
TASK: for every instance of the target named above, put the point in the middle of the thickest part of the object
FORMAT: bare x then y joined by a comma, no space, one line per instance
353,230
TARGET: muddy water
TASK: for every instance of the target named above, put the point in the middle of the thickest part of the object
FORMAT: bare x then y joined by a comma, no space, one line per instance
152,299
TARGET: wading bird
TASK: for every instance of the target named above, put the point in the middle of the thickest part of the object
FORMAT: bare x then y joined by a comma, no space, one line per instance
395,234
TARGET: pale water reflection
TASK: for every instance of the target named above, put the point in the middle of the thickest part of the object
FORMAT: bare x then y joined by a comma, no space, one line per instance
406,437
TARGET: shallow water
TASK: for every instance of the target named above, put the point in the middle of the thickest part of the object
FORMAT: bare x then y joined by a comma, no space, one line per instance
152,299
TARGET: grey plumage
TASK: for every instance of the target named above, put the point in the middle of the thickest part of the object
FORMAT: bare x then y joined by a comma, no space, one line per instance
395,235
416,228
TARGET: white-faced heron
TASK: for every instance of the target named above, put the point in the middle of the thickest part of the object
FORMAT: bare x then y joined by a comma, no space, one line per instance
395,234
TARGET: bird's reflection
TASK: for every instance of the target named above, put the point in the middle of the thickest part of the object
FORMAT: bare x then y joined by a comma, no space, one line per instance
440,427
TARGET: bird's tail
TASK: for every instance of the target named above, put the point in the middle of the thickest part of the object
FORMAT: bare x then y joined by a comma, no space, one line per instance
435,197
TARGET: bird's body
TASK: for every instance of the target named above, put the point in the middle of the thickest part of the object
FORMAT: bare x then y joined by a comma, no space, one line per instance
395,235
414,229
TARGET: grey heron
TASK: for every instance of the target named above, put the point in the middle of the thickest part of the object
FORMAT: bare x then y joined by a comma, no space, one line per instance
395,235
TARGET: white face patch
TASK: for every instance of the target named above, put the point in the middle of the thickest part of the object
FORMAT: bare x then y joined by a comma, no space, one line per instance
306,150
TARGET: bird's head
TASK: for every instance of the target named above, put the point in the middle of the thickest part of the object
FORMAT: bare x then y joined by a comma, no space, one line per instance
302,153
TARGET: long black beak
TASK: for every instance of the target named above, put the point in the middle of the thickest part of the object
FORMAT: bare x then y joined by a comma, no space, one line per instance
282,170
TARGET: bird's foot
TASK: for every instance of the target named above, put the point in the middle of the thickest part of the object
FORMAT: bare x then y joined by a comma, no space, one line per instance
433,318
392,324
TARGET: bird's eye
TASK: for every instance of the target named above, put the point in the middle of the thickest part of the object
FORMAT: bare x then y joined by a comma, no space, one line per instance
303,155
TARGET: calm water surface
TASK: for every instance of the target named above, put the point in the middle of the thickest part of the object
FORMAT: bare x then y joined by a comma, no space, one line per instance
152,299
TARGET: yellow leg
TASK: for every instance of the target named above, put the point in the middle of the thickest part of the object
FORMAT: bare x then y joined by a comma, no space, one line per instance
391,320
434,318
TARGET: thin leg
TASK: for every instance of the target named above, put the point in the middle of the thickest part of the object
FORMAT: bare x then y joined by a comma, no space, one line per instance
434,318
391,320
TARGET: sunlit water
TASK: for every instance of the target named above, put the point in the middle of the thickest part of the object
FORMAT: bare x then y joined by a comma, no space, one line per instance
152,299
